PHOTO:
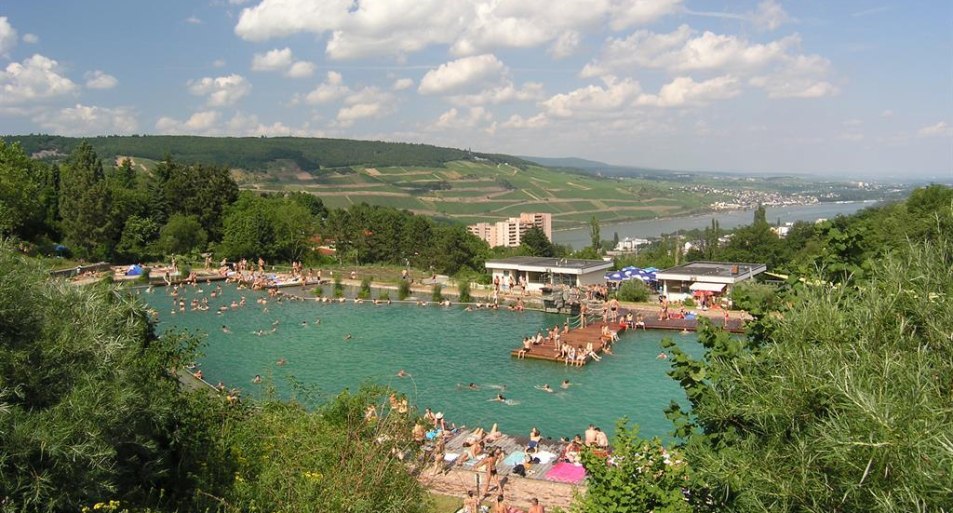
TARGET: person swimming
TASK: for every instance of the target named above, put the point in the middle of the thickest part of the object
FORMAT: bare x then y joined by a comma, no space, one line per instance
402,373
281,362
257,379
500,398
565,384
225,329
347,337
545,388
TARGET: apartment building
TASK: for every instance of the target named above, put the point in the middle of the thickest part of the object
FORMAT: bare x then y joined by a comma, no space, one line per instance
510,232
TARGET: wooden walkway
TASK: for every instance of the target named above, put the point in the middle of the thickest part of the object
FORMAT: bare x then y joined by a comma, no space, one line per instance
580,337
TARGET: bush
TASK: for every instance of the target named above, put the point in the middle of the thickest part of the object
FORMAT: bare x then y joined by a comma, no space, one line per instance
365,291
436,293
403,290
634,291
755,297
317,291
383,295
338,287
464,288
689,302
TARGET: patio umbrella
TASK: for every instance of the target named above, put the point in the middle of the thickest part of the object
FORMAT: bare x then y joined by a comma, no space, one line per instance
615,276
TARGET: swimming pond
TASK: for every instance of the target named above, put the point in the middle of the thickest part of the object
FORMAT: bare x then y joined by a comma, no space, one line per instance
442,349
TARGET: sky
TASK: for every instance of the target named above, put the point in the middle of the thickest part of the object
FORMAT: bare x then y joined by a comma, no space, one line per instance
831,88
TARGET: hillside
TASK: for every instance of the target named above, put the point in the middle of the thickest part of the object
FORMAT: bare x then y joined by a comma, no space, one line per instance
449,183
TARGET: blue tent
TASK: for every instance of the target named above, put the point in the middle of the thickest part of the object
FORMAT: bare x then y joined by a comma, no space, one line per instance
134,270
615,276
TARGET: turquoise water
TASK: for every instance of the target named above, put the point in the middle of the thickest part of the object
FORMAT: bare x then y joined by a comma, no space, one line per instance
440,348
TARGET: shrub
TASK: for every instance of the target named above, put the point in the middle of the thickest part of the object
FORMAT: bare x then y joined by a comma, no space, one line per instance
436,293
383,295
365,290
754,297
338,287
318,291
633,290
403,290
464,288
689,302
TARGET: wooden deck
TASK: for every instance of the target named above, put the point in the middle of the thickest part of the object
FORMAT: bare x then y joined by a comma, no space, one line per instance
579,337
510,444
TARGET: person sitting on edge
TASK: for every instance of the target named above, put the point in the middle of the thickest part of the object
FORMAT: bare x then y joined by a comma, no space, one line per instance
602,441
535,507
591,435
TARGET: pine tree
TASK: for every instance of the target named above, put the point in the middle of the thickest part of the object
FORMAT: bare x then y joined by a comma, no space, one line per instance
85,204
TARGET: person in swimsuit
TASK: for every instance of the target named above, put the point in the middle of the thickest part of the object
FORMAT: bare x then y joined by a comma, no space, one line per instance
492,475
534,438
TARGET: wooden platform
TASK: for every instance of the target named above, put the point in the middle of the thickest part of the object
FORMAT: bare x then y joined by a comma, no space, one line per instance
579,337
509,444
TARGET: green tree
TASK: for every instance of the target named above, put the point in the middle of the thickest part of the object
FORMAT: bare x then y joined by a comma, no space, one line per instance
840,403
537,243
634,291
85,205
19,205
88,406
294,225
643,476
249,231
594,233
138,238
181,235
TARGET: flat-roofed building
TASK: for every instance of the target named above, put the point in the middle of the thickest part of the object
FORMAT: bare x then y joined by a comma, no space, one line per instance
697,279
509,233
539,272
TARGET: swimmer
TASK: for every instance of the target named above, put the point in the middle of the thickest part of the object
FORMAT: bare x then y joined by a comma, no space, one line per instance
473,386
276,322
281,362
257,379
402,373
347,337
545,388
500,398
225,329
565,384
317,322
661,356
304,324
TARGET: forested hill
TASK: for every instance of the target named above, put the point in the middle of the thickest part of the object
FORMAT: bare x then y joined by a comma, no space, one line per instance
256,153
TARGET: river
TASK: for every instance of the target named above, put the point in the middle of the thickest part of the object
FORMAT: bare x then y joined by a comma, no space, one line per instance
648,228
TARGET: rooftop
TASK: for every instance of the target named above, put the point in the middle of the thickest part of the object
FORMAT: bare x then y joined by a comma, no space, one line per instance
547,262
719,269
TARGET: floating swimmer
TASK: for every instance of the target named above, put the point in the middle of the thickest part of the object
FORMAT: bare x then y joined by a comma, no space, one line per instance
225,329
565,384
402,373
347,337
544,388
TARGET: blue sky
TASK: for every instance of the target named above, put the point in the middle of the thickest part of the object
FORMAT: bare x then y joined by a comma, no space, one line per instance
833,88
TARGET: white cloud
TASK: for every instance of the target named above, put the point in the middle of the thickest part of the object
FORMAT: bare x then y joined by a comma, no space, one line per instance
282,60
886,113
685,91
682,50
593,100
100,80
519,122
300,69
402,83
769,15
628,13
331,89
8,36
467,74
939,129
31,39
565,45
453,119
369,102
193,20
36,78
272,60
503,93
221,91
83,120
218,63
199,123
802,76
468,27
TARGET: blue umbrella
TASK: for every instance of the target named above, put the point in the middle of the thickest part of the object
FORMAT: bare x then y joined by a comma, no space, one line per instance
615,276
629,272
629,268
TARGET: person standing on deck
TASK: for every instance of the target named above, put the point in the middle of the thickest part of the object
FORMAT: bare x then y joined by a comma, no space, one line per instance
492,475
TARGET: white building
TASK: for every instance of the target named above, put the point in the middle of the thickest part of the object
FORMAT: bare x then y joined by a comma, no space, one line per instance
539,272
509,233
627,244
705,278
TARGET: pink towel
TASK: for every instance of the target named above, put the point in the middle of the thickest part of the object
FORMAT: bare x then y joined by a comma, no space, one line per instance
566,473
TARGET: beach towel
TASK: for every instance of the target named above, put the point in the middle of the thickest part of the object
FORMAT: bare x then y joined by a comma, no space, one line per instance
473,461
514,459
566,473
451,456
544,457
